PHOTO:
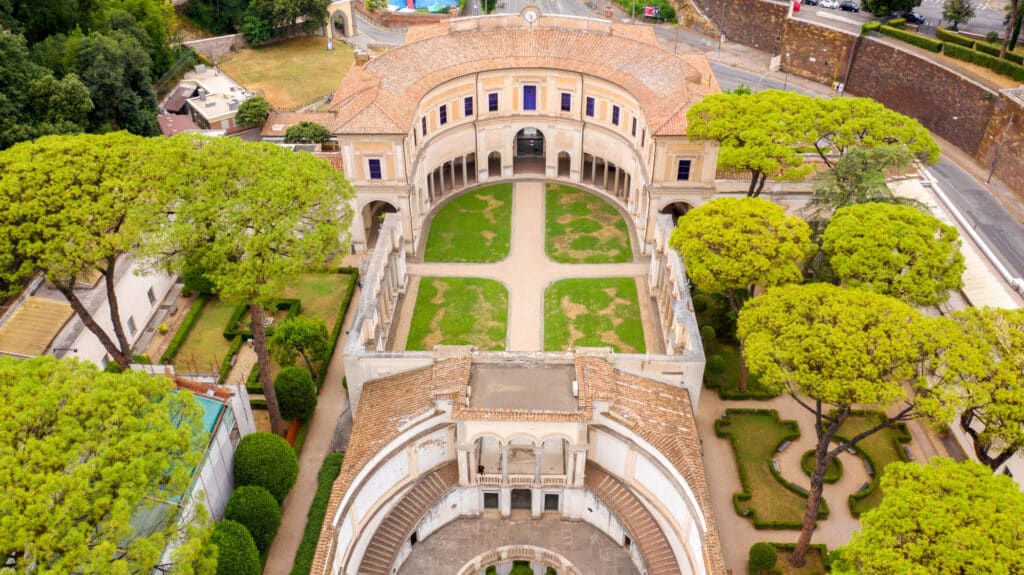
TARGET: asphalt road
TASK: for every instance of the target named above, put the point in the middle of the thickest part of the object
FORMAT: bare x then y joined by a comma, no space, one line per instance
985,20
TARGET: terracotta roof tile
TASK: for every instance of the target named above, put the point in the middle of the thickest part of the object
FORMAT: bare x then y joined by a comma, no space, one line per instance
279,122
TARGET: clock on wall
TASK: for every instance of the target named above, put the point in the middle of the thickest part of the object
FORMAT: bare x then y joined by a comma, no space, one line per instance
531,14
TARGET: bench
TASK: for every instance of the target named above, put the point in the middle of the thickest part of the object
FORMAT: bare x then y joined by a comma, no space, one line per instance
869,468
863,486
906,449
782,446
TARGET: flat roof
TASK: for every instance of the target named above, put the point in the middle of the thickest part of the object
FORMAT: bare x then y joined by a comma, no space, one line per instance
33,326
529,386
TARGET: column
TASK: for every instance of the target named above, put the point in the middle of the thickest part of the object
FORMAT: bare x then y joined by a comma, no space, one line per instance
504,568
604,180
451,170
473,479
504,463
593,171
538,453
465,176
538,568
465,465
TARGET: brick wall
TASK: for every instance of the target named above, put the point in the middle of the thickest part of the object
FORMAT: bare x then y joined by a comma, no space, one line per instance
1007,119
816,52
214,49
756,23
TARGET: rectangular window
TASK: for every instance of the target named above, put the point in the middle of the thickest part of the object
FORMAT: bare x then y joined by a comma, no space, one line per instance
423,124
490,500
684,170
442,113
634,127
374,166
566,102
643,137
615,115
492,102
529,97
151,296
131,325
590,107
468,106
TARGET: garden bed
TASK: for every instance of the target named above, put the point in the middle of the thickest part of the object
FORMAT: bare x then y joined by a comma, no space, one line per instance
459,311
597,312
475,227
581,227
879,450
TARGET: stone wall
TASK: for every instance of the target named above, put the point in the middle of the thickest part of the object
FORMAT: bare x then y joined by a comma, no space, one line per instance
756,23
397,21
214,49
1005,134
816,52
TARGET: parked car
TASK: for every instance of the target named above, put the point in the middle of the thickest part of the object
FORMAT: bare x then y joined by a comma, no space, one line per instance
810,2
847,6
912,18
829,4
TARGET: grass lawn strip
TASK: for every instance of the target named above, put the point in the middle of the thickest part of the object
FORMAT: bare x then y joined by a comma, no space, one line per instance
475,227
598,312
459,311
329,471
755,435
205,346
581,227
291,73
321,294
883,448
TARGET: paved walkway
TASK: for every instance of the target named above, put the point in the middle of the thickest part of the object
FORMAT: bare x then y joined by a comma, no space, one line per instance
331,404
455,544
527,272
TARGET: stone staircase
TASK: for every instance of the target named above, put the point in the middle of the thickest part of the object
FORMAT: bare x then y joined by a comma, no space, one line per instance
397,527
641,527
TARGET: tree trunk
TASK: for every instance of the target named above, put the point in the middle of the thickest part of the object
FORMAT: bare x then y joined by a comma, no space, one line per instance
760,186
309,365
259,340
83,314
799,556
1009,28
115,312
755,174
1016,33
743,362
981,451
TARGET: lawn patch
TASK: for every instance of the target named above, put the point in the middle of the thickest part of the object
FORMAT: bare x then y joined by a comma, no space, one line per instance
597,312
459,311
880,449
475,227
756,435
205,347
583,228
832,473
321,295
291,73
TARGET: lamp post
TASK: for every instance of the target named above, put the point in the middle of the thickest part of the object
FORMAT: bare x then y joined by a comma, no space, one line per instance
999,148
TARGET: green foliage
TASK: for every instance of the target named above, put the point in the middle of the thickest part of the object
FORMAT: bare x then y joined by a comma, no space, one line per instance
734,244
667,11
887,7
195,278
707,333
869,26
848,123
236,325
930,44
700,303
1004,67
256,28
300,335
947,36
958,11
329,471
877,450
253,112
593,312
900,23
762,557
236,550
581,227
217,16
306,132
266,460
256,509
895,250
84,452
186,325
832,473
716,363
459,311
339,320
296,393
228,363
473,227
947,517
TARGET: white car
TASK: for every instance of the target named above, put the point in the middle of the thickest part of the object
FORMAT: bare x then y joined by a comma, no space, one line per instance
829,4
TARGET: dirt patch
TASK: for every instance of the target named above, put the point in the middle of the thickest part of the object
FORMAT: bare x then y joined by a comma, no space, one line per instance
441,288
609,336
572,309
434,337
488,236
590,233
493,204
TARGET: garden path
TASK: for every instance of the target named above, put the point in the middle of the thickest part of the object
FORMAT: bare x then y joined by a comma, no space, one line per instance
244,361
526,273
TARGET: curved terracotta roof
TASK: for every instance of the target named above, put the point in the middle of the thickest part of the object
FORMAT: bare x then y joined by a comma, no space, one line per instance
382,96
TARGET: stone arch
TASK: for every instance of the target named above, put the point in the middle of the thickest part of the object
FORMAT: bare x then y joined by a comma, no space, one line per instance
676,210
494,164
371,213
564,164
529,151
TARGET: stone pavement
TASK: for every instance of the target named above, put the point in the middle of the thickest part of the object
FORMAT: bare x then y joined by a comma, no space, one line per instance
526,273
331,404
455,544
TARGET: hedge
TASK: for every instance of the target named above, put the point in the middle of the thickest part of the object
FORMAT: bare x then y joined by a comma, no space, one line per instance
256,509
293,306
903,436
236,551
900,23
947,36
295,392
832,474
227,364
994,49
869,26
826,559
1004,67
318,508
266,460
930,44
762,557
186,326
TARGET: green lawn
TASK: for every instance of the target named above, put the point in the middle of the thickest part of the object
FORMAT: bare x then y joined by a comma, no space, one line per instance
205,346
883,447
459,311
474,227
597,312
727,381
584,228
815,563
321,295
291,73
755,435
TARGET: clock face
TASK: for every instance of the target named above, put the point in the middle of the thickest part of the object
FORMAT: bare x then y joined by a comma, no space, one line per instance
531,15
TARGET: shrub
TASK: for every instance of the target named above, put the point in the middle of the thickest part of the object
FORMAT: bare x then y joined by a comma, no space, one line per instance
295,392
194,277
990,49
762,557
1003,67
256,509
306,132
266,460
707,333
900,23
182,333
947,36
700,303
992,37
869,26
315,519
930,44
716,364
252,112
236,551
832,473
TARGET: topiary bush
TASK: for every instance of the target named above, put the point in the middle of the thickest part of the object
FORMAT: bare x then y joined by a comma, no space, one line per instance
236,551
700,303
707,333
762,557
256,509
266,460
296,393
716,364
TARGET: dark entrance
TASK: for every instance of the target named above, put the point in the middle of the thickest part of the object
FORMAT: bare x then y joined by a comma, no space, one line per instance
529,152
550,502
522,499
